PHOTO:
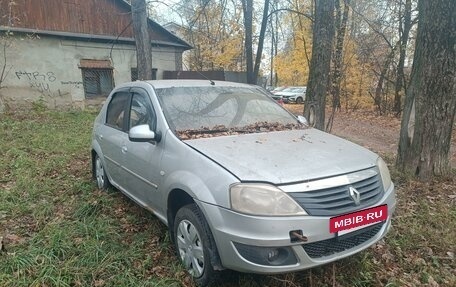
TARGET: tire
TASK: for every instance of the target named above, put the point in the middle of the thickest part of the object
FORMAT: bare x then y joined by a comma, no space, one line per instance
195,245
299,100
101,177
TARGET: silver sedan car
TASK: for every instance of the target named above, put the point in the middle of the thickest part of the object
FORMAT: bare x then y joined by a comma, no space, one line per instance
241,183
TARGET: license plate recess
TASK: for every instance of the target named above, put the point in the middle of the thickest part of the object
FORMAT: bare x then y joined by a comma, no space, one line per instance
346,223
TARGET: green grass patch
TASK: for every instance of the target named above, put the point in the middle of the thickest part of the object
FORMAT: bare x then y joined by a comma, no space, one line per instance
59,230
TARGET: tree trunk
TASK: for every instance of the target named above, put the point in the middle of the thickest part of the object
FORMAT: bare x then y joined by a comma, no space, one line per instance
318,84
400,78
142,39
338,54
247,7
379,88
430,103
273,75
259,54
341,25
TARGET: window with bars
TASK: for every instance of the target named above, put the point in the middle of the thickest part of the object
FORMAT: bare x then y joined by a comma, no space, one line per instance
97,82
134,74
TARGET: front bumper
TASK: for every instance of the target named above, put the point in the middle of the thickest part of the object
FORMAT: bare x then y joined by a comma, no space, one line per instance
231,229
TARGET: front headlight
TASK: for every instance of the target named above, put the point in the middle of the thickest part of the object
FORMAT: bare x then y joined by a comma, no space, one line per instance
263,199
384,173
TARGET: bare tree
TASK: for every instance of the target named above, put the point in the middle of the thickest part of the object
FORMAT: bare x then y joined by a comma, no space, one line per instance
5,42
430,103
384,37
404,31
142,39
4,70
253,68
341,25
318,84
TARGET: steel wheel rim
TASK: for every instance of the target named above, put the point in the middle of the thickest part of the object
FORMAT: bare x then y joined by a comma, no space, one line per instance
190,248
99,171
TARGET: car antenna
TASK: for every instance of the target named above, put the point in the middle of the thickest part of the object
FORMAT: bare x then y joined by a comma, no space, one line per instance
201,74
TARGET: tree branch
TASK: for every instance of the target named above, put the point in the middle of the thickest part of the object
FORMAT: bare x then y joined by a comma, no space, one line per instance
369,23
292,11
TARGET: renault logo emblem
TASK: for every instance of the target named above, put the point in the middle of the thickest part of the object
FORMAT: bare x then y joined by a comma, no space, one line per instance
354,194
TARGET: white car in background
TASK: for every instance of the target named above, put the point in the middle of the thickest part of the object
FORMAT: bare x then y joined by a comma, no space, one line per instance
293,95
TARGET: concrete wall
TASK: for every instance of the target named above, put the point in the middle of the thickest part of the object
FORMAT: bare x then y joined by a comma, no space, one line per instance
46,69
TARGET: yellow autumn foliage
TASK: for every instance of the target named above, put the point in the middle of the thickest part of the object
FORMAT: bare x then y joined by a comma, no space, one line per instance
217,40
292,66
292,63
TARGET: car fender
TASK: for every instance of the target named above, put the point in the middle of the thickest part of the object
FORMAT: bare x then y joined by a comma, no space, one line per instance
205,181
192,184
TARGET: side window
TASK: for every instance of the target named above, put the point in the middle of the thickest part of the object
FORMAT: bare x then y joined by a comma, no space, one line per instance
117,110
141,112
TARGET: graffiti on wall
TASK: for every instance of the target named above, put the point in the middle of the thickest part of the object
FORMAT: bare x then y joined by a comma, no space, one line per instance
53,90
38,80
75,84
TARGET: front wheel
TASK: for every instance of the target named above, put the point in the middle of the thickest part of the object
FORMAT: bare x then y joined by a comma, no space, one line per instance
299,100
194,244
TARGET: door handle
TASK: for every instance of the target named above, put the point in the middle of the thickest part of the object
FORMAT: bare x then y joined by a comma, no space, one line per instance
124,149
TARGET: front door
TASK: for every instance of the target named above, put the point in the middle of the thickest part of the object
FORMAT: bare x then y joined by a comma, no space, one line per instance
142,159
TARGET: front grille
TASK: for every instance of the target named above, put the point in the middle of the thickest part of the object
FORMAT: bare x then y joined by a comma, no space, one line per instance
338,244
336,200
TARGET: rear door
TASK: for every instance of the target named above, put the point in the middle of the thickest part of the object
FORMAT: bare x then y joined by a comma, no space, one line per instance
113,134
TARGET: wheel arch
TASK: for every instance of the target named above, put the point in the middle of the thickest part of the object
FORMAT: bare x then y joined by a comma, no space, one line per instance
184,199
177,199
96,150
93,154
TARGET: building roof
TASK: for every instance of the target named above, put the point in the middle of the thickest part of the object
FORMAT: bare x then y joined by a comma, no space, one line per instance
90,20
91,37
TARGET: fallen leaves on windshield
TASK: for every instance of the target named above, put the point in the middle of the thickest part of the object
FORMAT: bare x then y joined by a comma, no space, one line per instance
221,130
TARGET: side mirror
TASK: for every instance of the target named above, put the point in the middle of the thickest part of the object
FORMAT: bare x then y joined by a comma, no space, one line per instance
142,133
303,120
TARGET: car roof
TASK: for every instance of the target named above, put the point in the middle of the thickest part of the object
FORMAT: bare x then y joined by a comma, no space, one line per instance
159,84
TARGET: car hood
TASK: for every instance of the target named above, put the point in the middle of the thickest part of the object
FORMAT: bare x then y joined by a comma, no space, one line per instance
285,156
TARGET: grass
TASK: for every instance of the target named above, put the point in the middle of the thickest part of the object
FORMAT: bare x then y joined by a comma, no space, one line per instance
59,230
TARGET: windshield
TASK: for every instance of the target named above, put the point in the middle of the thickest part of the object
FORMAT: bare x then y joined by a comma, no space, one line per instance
205,110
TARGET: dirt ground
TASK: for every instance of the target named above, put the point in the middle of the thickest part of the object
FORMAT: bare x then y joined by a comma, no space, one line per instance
380,134
377,133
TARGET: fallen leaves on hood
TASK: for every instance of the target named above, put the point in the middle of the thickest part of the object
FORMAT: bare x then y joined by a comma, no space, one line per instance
221,130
